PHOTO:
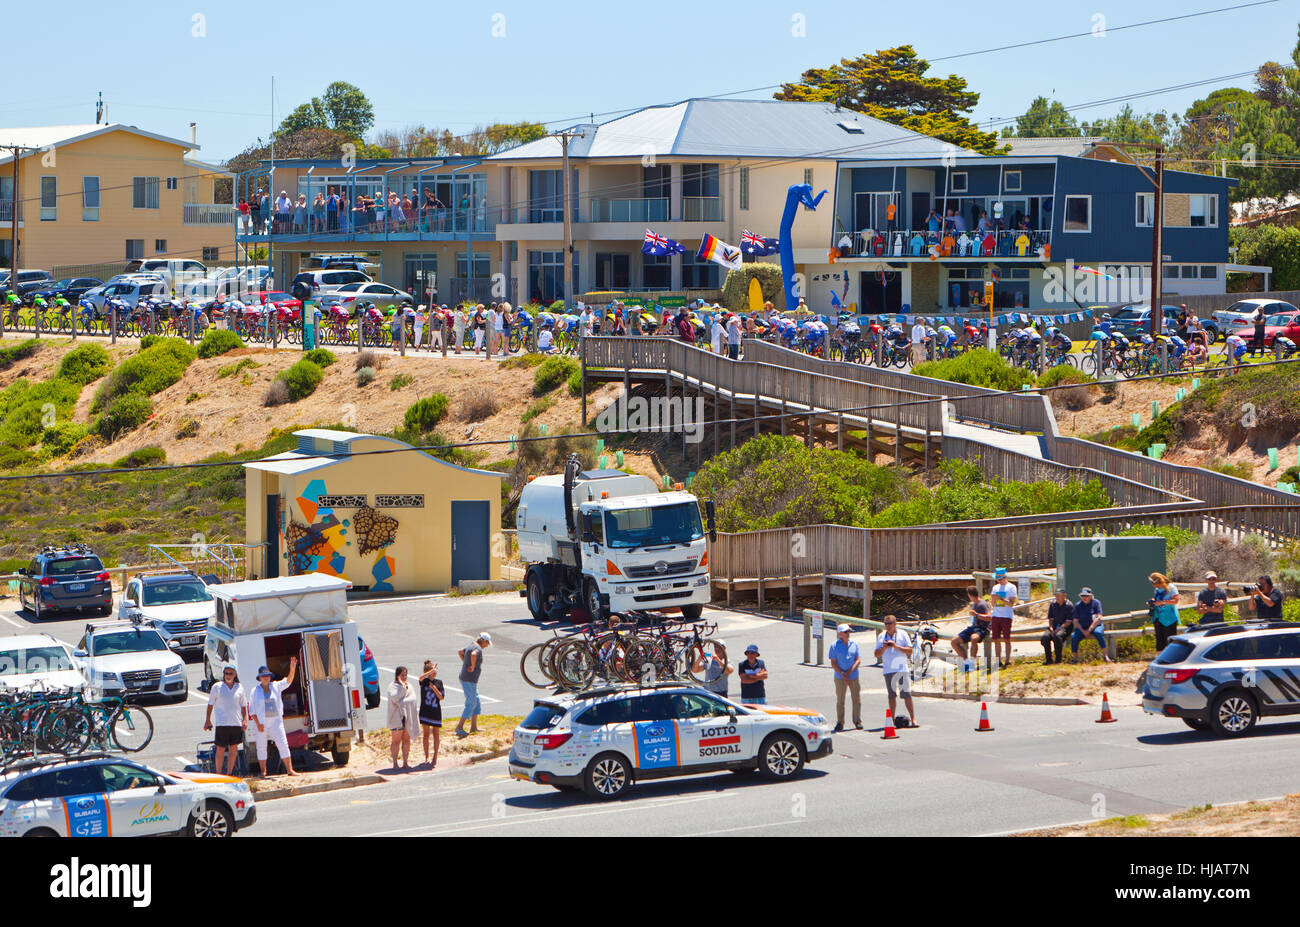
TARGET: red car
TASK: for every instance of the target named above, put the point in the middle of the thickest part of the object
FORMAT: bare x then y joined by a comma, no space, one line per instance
1286,324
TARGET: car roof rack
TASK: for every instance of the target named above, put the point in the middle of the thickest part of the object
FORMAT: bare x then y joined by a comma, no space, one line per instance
35,761
66,548
628,687
1219,628
164,571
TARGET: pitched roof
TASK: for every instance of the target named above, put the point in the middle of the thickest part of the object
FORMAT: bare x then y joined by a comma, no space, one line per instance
741,128
47,136
1069,147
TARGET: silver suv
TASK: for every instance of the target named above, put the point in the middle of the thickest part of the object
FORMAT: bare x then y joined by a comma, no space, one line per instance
1225,677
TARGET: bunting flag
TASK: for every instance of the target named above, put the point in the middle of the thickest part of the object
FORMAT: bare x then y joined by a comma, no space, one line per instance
658,245
718,251
757,245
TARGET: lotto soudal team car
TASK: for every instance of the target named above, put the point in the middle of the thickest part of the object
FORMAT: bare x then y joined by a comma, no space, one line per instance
108,796
1225,677
603,740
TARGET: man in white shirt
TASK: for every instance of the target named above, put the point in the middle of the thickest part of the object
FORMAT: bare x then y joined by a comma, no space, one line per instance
545,341
227,701
584,321
266,708
459,327
715,334
894,651
919,339
1003,599
733,337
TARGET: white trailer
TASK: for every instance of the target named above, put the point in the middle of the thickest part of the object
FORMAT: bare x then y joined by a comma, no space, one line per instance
264,622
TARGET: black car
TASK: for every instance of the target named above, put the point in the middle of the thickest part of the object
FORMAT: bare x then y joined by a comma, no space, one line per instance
29,281
65,578
70,288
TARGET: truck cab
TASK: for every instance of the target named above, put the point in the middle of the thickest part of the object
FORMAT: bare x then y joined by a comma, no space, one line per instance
264,622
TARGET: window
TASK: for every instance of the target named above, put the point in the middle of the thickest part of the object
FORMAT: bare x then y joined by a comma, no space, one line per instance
144,192
1078,214
1209,272
958,182
482,265
1203,210
697,275
134,249
1189,272
1011,181
656,272
744,188
171,183
211,253
544,203
1170,272
1146,209
49,199
808,176
617,711
119,777
160,246
657,707
89,199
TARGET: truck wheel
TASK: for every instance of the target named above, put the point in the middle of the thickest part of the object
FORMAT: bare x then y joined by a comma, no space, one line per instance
692,612
591,601
538,600
340,757
607,777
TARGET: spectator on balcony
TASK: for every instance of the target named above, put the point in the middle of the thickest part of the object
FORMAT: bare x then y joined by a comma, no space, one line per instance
244,220
408,213
431,206
958,221
300,215
283,211
318,213
949,219
332,203
985,224
263,222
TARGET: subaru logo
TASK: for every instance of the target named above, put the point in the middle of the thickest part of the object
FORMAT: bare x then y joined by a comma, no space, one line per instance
661,566
654,731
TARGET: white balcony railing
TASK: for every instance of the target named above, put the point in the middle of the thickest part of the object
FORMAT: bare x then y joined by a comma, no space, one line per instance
208,214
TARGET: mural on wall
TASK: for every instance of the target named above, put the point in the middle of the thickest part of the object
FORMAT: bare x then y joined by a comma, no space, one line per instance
320,545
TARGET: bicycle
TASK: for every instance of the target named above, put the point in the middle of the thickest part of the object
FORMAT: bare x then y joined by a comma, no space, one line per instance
924,638
106,723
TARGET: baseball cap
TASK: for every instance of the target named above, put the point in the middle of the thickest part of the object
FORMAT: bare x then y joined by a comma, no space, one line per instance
999,572
842,628
1086,590
1210,574
720,643
981,608
485,636
752,648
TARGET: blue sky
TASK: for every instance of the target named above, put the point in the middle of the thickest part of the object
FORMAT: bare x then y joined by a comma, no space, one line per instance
457,65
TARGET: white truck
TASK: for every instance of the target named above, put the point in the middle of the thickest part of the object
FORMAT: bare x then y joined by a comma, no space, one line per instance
605,541
264,622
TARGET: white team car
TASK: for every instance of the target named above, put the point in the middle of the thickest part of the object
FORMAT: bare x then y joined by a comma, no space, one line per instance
603,740
108,796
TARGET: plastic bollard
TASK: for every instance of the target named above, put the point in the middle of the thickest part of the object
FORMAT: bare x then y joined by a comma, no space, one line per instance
1180,394
1155,409
600,445
1137,420
1272,458
618,458
601,462
512,444
1196,382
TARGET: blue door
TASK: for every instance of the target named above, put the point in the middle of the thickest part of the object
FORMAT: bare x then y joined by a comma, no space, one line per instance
469,541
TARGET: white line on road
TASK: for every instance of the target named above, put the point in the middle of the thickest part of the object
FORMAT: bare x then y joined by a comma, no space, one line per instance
727,830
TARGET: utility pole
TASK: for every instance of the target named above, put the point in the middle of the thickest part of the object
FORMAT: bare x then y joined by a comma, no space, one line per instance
16,152
568,214
1157,239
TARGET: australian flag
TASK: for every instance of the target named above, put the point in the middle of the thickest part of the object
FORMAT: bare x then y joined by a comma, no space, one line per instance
757,245
658,245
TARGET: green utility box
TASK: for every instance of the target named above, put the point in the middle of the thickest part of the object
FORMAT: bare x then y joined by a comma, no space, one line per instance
1116,569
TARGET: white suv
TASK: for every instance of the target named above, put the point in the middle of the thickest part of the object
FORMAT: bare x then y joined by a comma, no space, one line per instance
108,796
177,603
128,659
38,660
605,739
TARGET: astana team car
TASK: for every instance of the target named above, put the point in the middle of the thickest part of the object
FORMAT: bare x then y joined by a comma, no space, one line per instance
603,740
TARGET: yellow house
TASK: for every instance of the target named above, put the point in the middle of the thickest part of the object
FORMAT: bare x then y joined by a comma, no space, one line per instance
388,522
91,197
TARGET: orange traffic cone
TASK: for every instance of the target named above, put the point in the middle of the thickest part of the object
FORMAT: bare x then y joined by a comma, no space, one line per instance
1106,716
984,727
890,733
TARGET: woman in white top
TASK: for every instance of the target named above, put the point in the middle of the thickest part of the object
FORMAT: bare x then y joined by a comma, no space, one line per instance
403,716
266,711
419,326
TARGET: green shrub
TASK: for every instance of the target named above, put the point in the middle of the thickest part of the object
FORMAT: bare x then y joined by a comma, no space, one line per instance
301,379
320,357
537,408
151,371
142,457
148,341
232,369
85,363
735,289
977,368
1062,374
401,381
575,383
218,341
125,414
60,438
365,376
1175,538
553,372
425,414
12,354
25,408
524,361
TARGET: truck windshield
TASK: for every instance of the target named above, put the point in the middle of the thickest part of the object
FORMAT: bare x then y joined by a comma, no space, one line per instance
653,525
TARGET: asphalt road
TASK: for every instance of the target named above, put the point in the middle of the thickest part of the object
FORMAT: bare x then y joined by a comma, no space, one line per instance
1041,766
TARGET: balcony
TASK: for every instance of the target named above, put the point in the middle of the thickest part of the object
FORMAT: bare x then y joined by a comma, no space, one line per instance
644,209
371,225
1004,244
7,211
701,209
207,214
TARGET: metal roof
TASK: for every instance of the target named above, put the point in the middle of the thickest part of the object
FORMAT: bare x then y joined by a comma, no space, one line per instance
742,128
46,136
280,586
291,463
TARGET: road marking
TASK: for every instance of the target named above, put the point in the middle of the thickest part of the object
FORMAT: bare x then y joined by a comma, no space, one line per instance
727,830
181,760
11,621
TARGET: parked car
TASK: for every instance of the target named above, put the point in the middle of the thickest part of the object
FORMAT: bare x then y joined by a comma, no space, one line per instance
1225,677
1243,312
1136,320
29,281
104,795
369,674
354,294
64,579
1286,324
130,291
128,659
38,659
175,271
70,288
313,284
176,602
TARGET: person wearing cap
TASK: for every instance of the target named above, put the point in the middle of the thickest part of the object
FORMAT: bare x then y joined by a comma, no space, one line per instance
1003,597
266,709
1211,600
894,650
1060,622
716,668
753,672
846,659
1164,608
733,336
1265,599
716,331
1088,623
228,702
471,668
967,640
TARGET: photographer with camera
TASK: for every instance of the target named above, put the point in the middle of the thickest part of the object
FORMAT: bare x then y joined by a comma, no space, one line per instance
1266,599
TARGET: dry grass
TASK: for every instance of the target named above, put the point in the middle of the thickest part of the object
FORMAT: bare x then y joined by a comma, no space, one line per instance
479,403
1279,818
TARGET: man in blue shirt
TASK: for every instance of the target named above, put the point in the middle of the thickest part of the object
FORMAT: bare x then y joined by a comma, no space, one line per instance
1088,623
752,672
845,660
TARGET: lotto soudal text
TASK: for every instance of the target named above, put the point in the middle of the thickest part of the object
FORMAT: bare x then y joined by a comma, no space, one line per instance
718,741
102,880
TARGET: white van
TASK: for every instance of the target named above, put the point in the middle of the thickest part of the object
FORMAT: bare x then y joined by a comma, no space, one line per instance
175,271
264,622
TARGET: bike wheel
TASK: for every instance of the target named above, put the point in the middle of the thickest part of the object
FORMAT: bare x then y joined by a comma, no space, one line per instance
1089,365
532,660
684,661
574,665
73,728
921,660
131,728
